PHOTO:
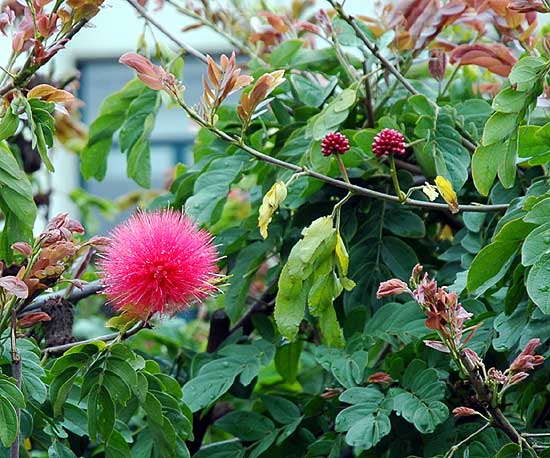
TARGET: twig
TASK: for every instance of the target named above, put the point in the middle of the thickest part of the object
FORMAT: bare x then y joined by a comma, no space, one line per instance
106,338
485,398
206,21
143,12
358,190
88,289
16,374
455,448
371,120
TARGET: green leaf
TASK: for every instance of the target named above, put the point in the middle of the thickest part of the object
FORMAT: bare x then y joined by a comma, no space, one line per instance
309,92
283,53
247,263
17,203
538,284
490,265
366,421
8,124
498,127
116,446
507,164
509,451
536,245
526,72
213,381
222,450
135,133
419,401
292,294
105,413
9,390
287,360
282,410
540,213
211,188
60,450
484,167
247,426
404,223
333,115
347,369
398,256
397,321
112,115
8,422
509,100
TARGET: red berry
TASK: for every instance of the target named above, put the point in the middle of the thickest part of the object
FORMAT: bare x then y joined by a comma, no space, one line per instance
334,142
389,141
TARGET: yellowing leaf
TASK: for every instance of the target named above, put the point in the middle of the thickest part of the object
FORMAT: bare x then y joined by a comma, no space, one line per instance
49,94
446,190
342,256
273,198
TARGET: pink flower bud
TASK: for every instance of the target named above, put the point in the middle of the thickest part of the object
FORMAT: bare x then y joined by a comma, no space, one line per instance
380,378
14,286
437,63
391,288
473,357
152,75
23,248
517,378
462,411
528,6
31,319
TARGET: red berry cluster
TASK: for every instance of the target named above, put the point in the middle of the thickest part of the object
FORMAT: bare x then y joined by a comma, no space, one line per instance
389,141
334,142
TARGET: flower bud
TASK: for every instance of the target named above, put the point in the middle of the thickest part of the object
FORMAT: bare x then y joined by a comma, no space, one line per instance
437,63
23,248
391,288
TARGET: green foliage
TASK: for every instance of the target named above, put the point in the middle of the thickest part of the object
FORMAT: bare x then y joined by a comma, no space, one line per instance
132,112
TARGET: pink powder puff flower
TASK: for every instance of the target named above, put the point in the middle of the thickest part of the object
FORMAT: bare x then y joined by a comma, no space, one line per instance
157,263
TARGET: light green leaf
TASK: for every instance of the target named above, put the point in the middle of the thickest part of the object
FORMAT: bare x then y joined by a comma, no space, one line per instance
8,422
538,283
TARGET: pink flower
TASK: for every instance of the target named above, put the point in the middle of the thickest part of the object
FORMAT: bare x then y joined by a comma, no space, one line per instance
517,378
152,75
496,376
6,19
391,288
473,357
23,248
527,360
158,263
437,345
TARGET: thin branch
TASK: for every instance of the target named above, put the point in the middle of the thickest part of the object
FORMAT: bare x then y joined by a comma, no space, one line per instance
189,49
371,120
358,190
455,448
207,22
89,289
105,338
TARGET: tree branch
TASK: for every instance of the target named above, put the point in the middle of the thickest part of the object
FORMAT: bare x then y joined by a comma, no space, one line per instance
59,349
89,289
358,190
189,49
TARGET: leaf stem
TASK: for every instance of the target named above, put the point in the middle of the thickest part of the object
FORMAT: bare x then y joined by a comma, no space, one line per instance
455,448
